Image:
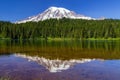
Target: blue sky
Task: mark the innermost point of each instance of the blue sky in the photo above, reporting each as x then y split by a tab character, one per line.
13	10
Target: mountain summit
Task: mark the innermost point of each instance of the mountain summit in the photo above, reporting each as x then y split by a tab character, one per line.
55	13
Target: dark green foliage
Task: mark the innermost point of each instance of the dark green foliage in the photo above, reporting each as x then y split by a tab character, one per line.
63	28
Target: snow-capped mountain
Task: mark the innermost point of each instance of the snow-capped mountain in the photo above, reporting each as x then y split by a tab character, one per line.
55	12
54	65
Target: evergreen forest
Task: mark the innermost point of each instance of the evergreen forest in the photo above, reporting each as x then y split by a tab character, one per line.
62	28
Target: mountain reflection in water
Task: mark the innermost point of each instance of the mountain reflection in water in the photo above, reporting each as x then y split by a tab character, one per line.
60	60
27	67
54	65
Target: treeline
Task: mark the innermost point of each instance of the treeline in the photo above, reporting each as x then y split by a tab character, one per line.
63	28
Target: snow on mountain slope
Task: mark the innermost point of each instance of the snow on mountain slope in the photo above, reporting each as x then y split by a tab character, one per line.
54	12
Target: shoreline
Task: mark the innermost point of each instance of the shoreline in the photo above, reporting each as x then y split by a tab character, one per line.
62	39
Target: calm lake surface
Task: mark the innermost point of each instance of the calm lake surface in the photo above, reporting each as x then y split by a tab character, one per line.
60	60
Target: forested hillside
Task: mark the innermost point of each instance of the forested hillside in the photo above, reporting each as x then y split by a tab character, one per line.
63	28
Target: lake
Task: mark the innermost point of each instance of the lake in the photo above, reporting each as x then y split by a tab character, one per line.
60	60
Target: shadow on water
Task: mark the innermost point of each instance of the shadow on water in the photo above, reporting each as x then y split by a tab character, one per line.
63	49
